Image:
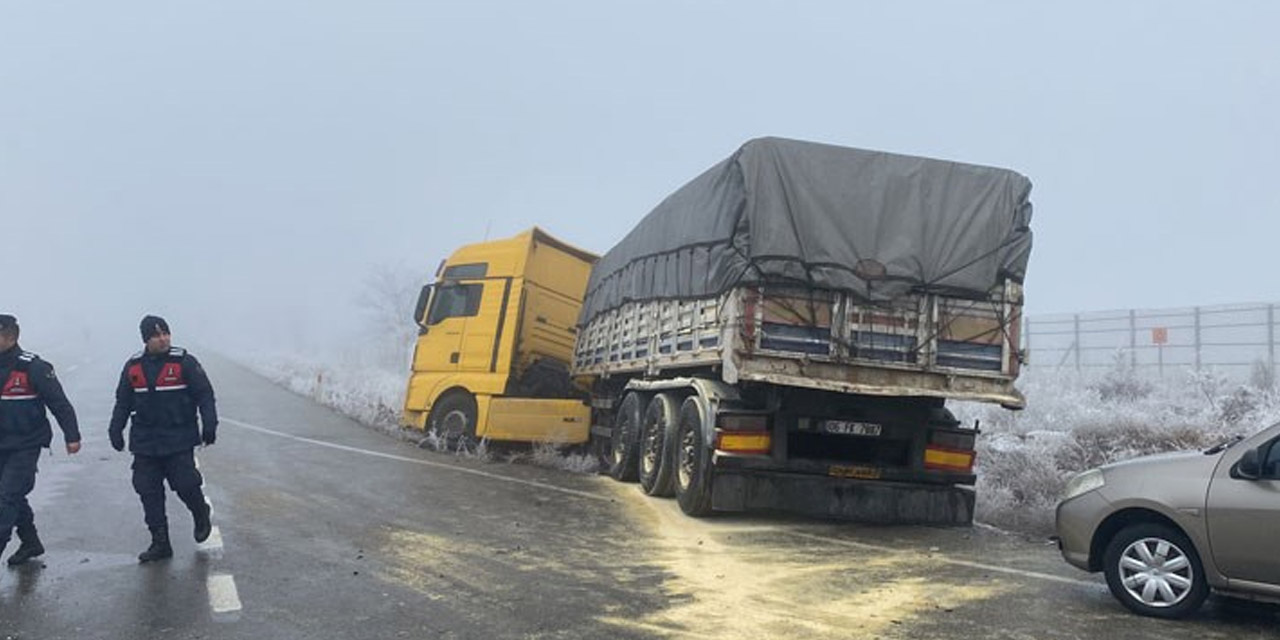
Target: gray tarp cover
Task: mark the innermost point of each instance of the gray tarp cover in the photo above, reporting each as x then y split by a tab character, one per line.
877	225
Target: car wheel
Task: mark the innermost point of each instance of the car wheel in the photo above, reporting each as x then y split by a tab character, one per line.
1154	570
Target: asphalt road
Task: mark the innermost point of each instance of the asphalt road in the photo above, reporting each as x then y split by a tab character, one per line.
327	529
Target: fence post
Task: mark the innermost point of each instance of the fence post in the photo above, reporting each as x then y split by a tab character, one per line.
1026	337
1197	338
1271	339
1133	340
1077	343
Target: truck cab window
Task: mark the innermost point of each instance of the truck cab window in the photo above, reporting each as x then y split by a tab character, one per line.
455	301
462	271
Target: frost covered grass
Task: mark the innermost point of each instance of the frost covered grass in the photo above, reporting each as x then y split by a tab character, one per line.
556	457
374	395
1073	423
371	395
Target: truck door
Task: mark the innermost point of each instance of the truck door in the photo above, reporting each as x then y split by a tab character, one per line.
484	330
452	305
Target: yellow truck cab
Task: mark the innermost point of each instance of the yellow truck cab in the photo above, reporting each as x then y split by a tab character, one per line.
496	334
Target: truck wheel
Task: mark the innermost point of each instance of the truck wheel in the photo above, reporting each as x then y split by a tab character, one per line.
454	418
623	457
1154	570
657	437
693	460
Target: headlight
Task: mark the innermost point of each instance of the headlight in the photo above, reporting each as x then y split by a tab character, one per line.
1083	483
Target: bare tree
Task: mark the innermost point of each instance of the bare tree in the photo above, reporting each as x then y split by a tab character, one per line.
387	301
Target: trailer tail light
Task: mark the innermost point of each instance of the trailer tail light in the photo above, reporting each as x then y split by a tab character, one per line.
938	458
950	450
760	443
744	433
743	422
955	440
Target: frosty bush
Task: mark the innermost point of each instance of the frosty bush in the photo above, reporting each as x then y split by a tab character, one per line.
1122	381
1073	423
1262	376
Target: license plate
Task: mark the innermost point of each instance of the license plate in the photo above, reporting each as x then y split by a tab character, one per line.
849	428
853	471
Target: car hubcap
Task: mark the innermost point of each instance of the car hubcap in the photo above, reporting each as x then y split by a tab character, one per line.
1156	572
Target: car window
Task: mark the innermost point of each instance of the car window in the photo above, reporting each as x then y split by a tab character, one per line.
1271	465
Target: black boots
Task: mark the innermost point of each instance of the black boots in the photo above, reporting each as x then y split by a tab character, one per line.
204	526
30	547
159	549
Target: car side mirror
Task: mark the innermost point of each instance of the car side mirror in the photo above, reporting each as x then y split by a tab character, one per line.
1249	467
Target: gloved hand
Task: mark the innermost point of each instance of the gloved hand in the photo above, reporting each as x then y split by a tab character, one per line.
117	439
208	436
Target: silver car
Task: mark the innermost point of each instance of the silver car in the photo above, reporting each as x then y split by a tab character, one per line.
1167	529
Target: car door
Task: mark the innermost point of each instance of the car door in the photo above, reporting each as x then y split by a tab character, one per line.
1243	515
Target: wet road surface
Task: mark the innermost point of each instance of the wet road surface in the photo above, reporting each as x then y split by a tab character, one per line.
326	529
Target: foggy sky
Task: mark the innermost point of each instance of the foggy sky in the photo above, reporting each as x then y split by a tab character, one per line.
241	167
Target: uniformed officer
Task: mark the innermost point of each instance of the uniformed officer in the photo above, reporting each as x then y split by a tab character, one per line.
161	389
29	387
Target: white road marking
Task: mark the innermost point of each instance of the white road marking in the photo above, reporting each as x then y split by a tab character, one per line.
223	597
1047	577
426	463
953	561
213	543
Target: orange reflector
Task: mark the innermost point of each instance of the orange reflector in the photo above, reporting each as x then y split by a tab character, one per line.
943	459
744	442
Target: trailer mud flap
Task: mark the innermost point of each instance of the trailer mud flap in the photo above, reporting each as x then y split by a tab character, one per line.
845	499
728	492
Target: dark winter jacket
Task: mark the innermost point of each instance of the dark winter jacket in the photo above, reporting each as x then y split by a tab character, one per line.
161	393
28	387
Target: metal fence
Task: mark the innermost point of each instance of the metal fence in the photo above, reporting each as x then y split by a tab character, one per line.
1236	338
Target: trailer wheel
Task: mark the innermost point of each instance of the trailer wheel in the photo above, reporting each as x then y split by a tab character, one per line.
623	446
657	440
693	460
454	418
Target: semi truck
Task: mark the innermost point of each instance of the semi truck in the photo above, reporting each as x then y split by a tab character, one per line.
495	338
782	332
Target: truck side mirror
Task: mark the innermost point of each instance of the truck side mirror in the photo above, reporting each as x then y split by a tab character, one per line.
420	310
1249	468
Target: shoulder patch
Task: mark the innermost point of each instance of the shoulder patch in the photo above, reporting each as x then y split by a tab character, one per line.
136	355
177	352
27	356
